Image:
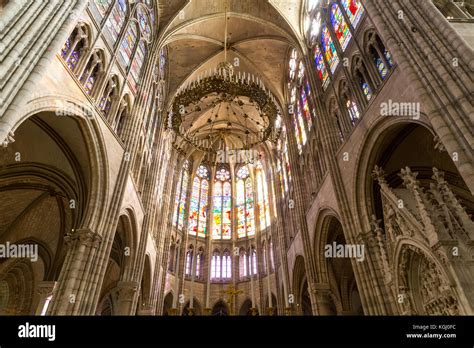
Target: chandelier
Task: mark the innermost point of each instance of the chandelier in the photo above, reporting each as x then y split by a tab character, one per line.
238	105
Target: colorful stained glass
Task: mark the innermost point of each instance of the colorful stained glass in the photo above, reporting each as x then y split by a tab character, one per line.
202	228
341	29
162	63
115	22
301	72
305	105
66	48
143	22
320	67
293	64
381	67
227	212
194	207
137	65
73	59
182	201
329	50
354	10
127	46
89	85
388	57
180	198
249	208
353	111
262	192
99	8
240	208
217	211
366	89
296	125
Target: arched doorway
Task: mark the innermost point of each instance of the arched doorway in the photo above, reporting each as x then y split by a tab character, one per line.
196	308
220	309
167	304
301	296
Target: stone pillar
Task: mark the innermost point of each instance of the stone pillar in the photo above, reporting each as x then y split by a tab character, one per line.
127	296
68	295
45	290
27	53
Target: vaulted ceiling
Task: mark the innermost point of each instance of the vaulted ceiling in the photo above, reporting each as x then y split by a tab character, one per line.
260	35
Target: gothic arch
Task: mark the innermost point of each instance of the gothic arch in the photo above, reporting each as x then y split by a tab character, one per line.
336	273
424	284
167	303
220	308
65	120
367	158
300	287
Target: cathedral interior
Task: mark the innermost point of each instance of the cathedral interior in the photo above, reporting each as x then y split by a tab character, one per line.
236	157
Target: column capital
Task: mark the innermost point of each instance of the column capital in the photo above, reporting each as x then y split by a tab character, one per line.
84	236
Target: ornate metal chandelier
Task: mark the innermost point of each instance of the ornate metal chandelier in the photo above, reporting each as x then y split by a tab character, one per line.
227	96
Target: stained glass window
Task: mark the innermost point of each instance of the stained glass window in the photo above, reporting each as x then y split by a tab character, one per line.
298	122
198	264
189	261
143	22
341	29
312	4
226	265
106	100
243	260
216	265
254	261
222	206
245	204
262	195
180	199
388	57
72	49
99	8
272	259
366	90
354	10
285	172
198	204
329	50
293	64
115	22
137	65
320	67
381	67
353	111
127	45
365	86
162	63
90	76
304	93
315	28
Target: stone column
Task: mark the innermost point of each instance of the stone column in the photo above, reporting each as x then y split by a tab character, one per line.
127	292
35	32
45	290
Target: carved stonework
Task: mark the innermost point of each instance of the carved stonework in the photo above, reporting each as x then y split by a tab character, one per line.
424	288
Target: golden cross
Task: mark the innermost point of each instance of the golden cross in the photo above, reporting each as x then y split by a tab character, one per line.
232	292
